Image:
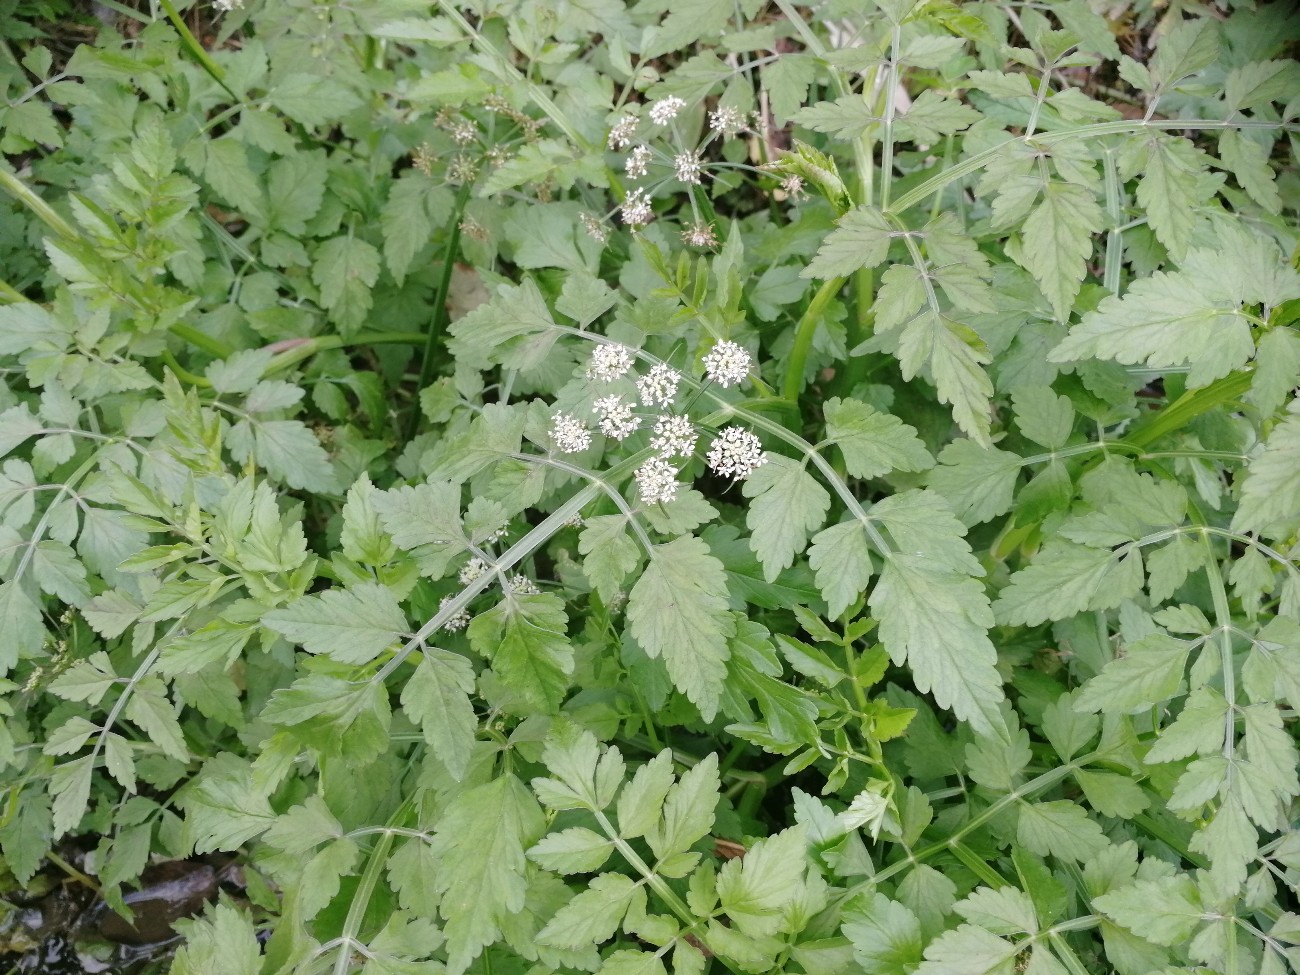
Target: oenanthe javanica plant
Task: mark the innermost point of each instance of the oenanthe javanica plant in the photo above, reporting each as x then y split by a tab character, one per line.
717	486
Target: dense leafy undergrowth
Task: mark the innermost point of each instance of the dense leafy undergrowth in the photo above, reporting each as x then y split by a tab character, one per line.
689	485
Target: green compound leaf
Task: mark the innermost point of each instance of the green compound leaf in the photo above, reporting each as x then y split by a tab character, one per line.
437	699
842	562
352	626
786	505
678	611
595	914
936	620
756	889
1058	242
873	443
1191	317
479	846
525	638
224	940
861	240
1270	496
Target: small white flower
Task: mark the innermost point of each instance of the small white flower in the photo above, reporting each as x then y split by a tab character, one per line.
674	435
464	132
700	234
665	110
608	362
616	419
656	481
472	570
620	136
688	167
569	433
458	621
726	121
637	162
793	186
658	386
736	452
225	6
594	228
521	585
727	364
636	208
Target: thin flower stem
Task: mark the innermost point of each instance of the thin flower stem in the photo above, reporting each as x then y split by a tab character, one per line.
610	492
196	50
439	323
803	337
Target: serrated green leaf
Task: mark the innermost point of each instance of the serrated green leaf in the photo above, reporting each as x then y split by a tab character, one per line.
1058	242
642	799
352	626
842	562
678	611
936	620
873	443
479	845
756	888
860	240
1165	911
1005	910
1270	494
285	449
688	810
844	119
609	553
525	639
1065	579
967	950
24	629
345	269
1061	829
595	914
572	850
436	697
886	936
223	809
224	942
786	505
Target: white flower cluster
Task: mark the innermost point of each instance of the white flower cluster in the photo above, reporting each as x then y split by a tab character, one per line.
620	136
735	452
638	161
674	436
656	481
636	208
727	121
472	570
594	228
665	110
688	167
457	621
521	585
569	433
616	418
659	385
727	364
608	362
700	234
226	6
